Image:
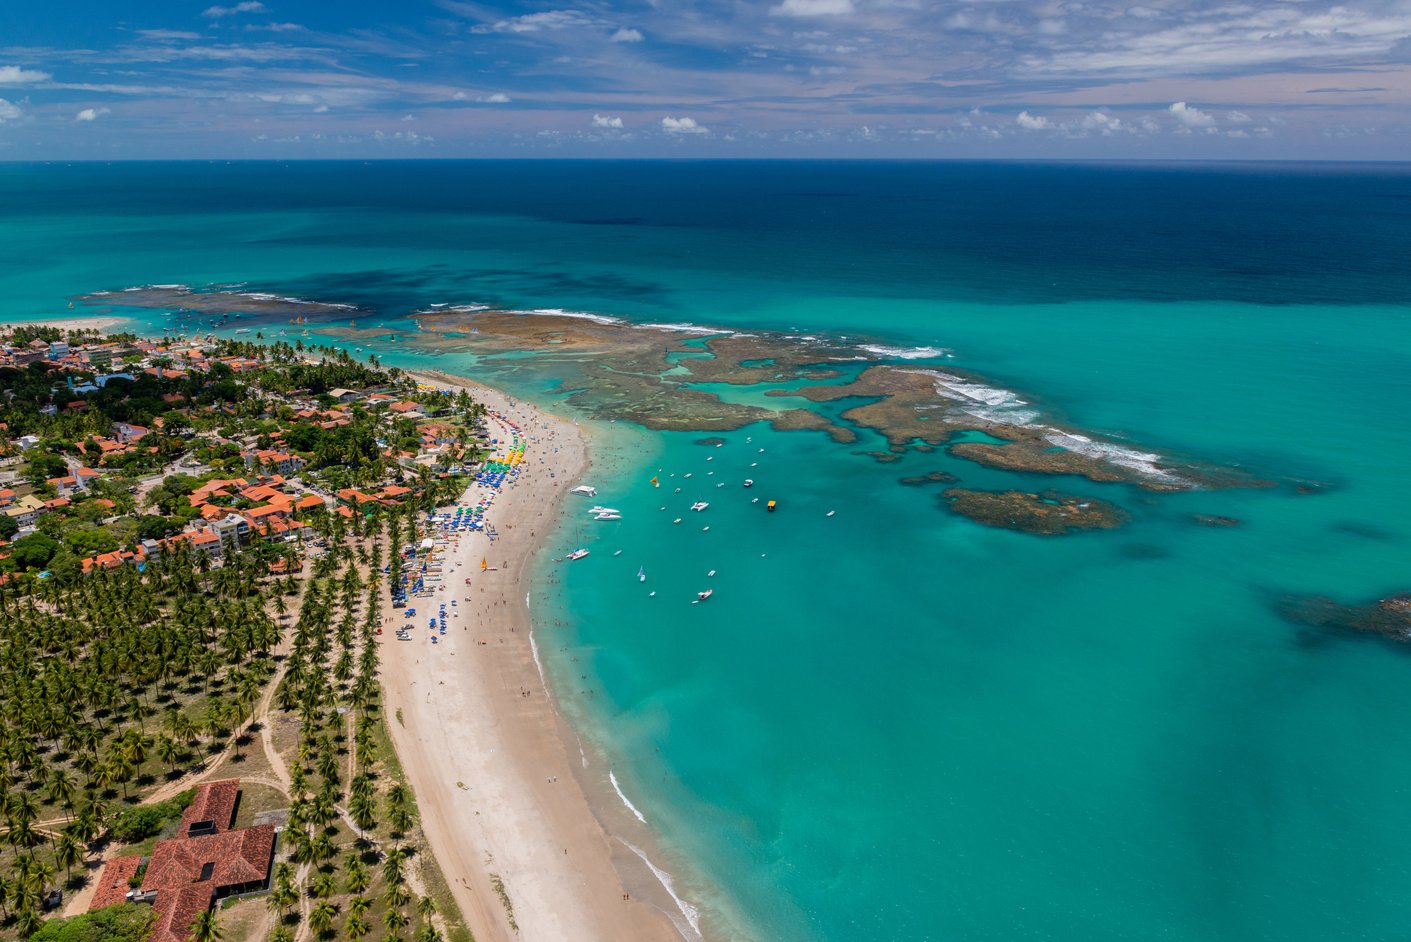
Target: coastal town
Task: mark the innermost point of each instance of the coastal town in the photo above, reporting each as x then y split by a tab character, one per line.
212	557
192	578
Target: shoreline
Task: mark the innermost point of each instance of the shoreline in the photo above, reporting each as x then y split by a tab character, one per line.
95	322
477	730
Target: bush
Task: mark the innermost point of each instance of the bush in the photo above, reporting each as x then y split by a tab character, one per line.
125	922
140	823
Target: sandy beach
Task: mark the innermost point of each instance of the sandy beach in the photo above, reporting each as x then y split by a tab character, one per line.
495	768
68	323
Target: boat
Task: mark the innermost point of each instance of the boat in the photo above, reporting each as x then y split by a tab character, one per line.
699	505
831	512
771	505
599	509
577	554
585	490
711	573
641	574
612	516
749	482
702	596
243	330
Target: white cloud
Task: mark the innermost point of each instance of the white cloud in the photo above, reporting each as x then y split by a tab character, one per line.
246	6
8	111
534	22
274	28
1191	117
625	35
499	98
1102	122
168	35
682	126
14	75
90	114
814	8
1032	123
1238	117
603	121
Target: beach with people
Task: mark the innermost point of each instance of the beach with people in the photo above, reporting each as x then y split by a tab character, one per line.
512	805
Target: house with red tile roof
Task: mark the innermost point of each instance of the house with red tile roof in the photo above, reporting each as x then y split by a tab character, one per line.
208	861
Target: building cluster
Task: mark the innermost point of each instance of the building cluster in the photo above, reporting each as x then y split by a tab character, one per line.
267	503
208	860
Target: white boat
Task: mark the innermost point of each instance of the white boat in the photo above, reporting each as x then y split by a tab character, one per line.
577	554
243	330
641	574
585	490
599	509
699	505
702	596
749	482
609	516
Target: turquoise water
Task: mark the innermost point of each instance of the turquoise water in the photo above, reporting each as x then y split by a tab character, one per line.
894	723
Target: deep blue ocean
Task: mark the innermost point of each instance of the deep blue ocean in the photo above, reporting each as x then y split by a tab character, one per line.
894	723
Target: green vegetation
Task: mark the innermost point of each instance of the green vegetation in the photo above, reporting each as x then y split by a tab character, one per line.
127	683
135	824
126	922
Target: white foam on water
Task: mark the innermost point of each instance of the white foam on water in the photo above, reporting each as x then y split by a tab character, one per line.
534	650
466	308
692	915
688	329
904	353
581	315
1003	406
166	287
1140	461
618	788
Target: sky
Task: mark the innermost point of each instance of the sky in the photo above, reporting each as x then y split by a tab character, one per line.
1107	79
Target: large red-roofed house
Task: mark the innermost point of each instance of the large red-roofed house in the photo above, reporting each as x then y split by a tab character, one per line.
207	861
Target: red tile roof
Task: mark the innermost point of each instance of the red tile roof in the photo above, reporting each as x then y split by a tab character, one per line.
177	910
237	858
112	881
214	801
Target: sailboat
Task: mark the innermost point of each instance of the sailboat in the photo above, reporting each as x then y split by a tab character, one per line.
641	574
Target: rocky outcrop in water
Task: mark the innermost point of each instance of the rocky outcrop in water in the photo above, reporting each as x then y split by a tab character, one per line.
1046	514
1389	617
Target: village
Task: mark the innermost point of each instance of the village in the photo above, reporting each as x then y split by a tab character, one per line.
124	449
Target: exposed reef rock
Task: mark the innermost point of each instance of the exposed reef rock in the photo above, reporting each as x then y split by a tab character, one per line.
1212	520
1047	514
930	477
1389	617
659	375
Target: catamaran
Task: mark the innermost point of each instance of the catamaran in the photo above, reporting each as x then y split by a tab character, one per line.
577	554
699	505
585	490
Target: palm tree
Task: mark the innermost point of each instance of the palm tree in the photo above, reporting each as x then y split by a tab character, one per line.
168	750
205	928
429	933
426	907
67	853
395	920
356	927
321	917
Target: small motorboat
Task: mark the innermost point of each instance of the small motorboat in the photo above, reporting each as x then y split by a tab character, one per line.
749	482
702	596
641	574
